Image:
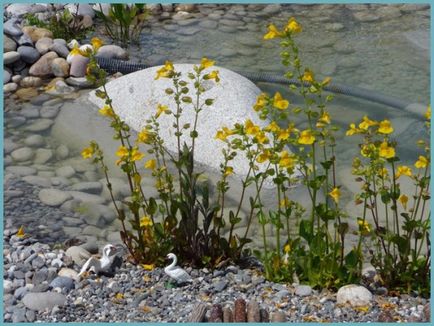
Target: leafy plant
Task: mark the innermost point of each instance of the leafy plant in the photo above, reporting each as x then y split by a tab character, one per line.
65	25
183	218
124	22
399	240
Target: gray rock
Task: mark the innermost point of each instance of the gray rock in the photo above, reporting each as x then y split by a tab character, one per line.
42	67
84	9
30	315
24	40
80	82
40	125
22	154
49	112
11	27
220	285
61	49
65	171
20	9
34	141
87	198
112	52
37	181
17	78
19	315
188	31
208	24
43	300
21	170
63	283
78	66
272	9
6	76
43	155
10	57
43	45
31	81
355	295
233	94
28	54
53	197
20	292
89	187
78	254
62	152
8	44
303	290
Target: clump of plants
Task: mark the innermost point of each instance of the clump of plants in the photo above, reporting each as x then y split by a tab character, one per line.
183	219
124	22
310	243
65	25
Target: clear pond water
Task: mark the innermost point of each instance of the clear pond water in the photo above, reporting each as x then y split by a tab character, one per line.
379	47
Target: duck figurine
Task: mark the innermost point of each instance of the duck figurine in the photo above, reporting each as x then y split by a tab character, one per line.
106	265
176	272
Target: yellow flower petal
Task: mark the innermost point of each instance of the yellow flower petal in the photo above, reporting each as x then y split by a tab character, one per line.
96	43
87	152
403	199
386	151
206	63
228	171
107	111
144	136
279	102
403	170
151	164
293	26
272	32
428	113
286	161
421	163
366	123
385	127
145	221
306	137
335	194
261	101
308	76
122	151
20	233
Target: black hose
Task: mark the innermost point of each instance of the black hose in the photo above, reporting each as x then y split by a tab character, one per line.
126	67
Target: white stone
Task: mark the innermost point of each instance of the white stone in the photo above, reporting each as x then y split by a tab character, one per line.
53	197
137	95
83	9
65	171
22	154
355	295
43	300
43	155
78	254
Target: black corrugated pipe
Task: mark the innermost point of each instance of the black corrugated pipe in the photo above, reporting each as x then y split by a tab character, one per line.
126	67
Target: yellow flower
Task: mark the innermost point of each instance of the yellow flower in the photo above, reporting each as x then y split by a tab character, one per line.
213	75
20	233
144	136
148	267
261	101
165	71
107	111
122	151
273	32
87	152
264	156
283	134
386	151
162	109
403	199
353	130
284	203
151	164
286	161
306	138
364	227
324	119
287	248
223	133
421	163
385	127
75	50
308	76
145	221
403	170
279	102
293	26
261	138
272	127
366	123
251	128
119	296
383	173
428	113
367	150
228	171
136	155
335	194
96	43
206	63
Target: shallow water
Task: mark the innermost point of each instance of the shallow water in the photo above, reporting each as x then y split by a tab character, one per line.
388	55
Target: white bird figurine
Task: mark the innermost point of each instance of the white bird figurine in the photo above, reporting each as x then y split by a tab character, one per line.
176	272
102	265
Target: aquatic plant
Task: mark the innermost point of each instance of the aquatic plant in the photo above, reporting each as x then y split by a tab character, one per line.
396	244
124	22
183	218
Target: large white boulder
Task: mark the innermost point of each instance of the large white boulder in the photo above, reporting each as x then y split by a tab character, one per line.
137	95
355	295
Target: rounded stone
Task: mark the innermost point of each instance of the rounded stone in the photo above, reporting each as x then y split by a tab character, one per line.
10	88
31	81
40	301
53	197
28	54
6	76
34	141
43	45
8	44
60	67
40	124
112	52
65	171
78	254
36	33
62	152
42	67
355	295
10	57
78	66
22	154
43	155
